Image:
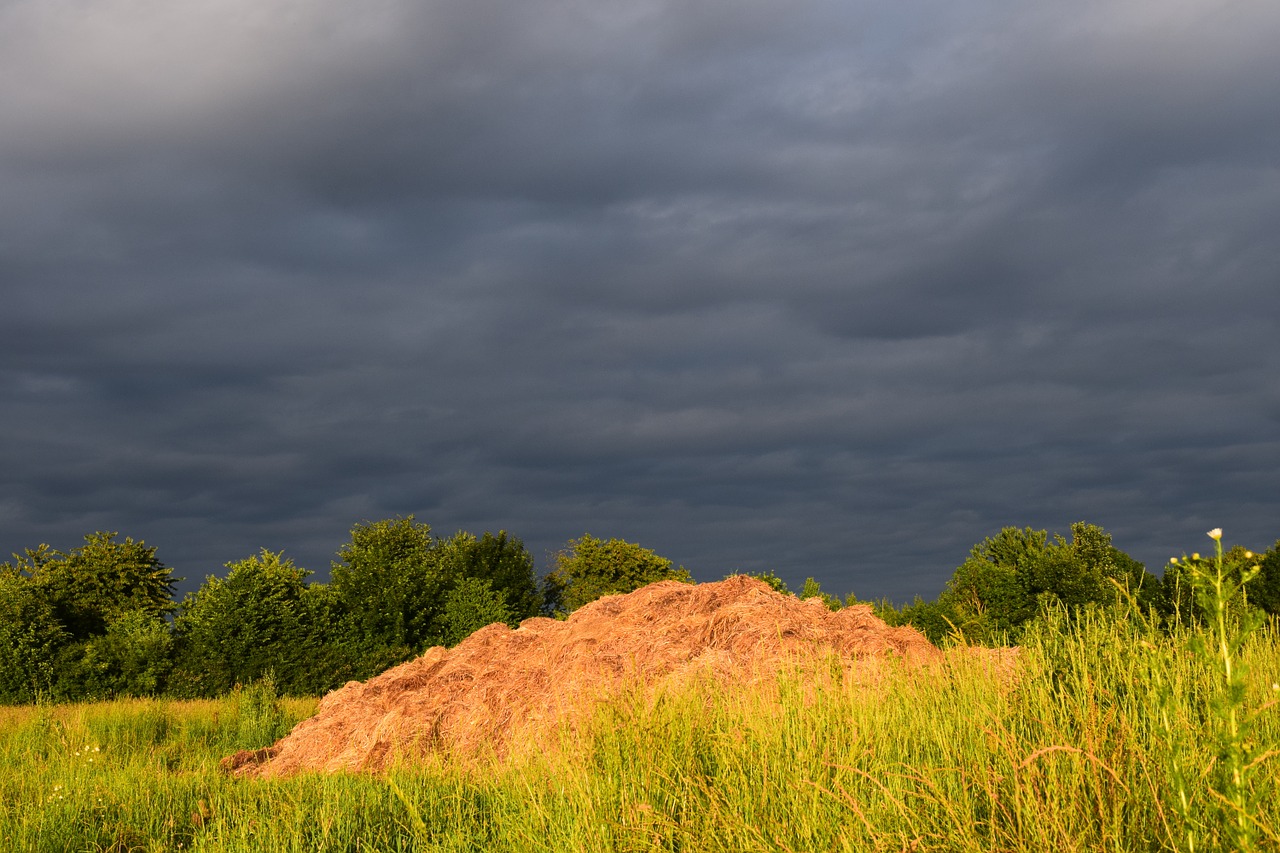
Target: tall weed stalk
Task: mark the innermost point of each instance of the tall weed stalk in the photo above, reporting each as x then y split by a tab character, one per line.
261	718
1229	809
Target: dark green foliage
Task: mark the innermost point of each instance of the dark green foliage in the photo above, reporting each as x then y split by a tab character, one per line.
133	657
88	623
991	593
1009	578
590	568
1088	570
390	582
237	629
1264	592
30	640
398	591
101	581
336	651
93	622
503	561
473	603
934	619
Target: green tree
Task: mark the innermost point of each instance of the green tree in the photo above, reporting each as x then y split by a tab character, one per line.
1009	578
1086	570
101	581
503	561
472	604
397	590
241	628
133	657
391	585
336	652
590	568
1264	592
99	610
30	640
987	595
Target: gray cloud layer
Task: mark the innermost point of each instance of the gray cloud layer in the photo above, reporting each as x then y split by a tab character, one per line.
830	288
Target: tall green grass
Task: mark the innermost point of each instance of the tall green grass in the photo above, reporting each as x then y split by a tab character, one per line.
1109	726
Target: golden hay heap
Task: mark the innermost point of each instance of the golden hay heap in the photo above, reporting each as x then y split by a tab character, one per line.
501	686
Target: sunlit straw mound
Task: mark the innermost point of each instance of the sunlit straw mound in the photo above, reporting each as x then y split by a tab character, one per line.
501	687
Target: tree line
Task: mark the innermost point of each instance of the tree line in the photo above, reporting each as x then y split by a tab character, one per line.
101	620
1009	580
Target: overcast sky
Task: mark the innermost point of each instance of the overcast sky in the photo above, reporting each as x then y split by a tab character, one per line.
826	287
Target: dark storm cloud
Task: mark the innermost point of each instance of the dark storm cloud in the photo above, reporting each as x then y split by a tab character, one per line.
835	289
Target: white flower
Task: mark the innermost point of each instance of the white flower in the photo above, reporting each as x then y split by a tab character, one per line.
1215	533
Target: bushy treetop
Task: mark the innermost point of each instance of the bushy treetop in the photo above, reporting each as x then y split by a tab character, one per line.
590	568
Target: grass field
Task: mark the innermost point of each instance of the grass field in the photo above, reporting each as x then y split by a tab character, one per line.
1113	736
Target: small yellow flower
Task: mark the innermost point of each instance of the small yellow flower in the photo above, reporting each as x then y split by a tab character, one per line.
1195	555
1215	533
1173	561
1248	555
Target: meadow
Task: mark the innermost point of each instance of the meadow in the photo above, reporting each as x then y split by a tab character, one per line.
1113	736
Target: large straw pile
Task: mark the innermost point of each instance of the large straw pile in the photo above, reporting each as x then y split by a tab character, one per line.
501	686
